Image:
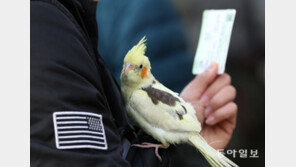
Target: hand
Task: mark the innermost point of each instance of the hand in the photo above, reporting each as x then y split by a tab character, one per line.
212	97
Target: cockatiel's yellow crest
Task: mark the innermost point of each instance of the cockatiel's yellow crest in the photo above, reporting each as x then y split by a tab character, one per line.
159	111
137	56
136	53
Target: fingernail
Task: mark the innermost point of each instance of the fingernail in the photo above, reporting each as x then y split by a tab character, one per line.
204	99
210	120
211	67
208	111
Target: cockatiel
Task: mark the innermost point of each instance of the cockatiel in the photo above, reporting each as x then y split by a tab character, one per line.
159	111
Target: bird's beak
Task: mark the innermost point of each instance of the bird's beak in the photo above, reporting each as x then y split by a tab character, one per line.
128	67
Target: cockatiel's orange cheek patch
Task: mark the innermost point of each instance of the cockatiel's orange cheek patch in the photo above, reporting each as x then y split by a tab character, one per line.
144	72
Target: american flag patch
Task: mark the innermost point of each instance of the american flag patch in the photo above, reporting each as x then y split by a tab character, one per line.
79	129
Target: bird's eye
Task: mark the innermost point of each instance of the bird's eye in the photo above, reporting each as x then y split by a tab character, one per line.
141	66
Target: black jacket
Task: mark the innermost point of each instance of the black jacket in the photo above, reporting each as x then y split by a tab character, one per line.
67	74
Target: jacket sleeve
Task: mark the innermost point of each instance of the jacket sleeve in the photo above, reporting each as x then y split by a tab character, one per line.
65	77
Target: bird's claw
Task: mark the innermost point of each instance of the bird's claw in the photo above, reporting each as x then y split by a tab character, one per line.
151	145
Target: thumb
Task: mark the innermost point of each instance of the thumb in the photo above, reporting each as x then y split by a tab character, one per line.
201	82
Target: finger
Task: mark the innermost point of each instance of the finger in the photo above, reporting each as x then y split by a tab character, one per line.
225	95
228	125
227	111
217	85
200	83
199	110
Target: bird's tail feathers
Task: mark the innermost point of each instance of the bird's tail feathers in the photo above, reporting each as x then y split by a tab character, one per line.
214	157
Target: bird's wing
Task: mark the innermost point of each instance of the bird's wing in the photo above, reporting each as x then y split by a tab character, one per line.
164	109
